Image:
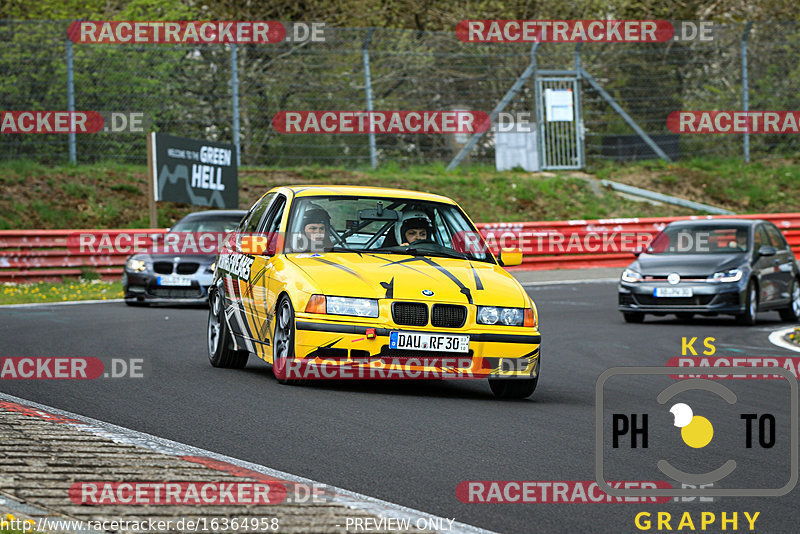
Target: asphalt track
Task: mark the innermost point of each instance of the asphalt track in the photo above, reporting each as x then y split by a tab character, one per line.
410	443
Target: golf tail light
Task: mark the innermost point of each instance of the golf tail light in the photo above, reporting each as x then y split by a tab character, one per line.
316	304
530	318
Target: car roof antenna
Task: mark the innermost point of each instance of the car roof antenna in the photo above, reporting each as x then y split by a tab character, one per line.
380	208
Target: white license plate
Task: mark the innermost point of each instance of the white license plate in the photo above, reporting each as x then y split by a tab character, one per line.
174	281
672	292
430	342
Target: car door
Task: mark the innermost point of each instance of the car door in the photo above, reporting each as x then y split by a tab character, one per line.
782	261
766	268
231	261
258	301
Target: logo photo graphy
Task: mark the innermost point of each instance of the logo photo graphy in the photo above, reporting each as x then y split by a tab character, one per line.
359	267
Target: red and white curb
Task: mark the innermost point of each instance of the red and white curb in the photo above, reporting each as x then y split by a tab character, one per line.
227	464
777	338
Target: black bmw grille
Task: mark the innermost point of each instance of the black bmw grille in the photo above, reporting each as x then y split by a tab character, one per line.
162	267
401	356
448	315
177	292
410	313
186	268
649	300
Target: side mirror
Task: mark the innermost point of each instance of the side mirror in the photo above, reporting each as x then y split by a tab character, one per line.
767	250
509	257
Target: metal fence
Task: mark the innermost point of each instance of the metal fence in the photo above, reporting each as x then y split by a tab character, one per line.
188	90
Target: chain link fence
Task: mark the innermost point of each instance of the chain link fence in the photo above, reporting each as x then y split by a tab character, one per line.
186	90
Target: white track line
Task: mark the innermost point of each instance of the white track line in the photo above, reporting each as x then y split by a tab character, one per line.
562	282
776	338
351	499
62	303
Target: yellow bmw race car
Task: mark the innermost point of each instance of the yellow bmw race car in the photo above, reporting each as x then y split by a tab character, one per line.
359	283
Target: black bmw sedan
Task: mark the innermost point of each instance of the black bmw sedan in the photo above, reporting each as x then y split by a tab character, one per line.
179	268
710	267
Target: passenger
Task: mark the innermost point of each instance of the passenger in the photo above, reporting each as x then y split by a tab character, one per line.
414	226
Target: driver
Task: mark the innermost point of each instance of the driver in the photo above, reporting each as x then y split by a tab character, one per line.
414	226
315	230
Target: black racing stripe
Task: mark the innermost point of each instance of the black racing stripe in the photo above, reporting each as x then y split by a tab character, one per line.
389	287
342	267
250	304
464	289
401	263
354	329
478	283
313	353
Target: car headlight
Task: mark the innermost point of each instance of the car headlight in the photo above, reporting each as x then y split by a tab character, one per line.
351	306
631	276
503	316
212	268
731	275
136	266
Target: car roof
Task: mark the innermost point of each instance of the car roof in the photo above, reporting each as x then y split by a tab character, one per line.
216	214
353	190
721	222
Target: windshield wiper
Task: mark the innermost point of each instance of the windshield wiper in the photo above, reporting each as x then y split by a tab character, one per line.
445	253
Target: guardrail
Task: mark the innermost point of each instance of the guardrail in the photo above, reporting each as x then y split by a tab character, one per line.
618	238
43	255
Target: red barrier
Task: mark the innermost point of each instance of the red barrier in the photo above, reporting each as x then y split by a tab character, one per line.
536	240
43	255
33	255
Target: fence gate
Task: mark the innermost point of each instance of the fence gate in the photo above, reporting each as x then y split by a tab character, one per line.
558	114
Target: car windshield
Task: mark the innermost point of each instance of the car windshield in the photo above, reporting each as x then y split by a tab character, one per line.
212	224
385	225
700	240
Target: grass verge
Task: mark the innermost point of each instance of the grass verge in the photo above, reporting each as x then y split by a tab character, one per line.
113	195
59	292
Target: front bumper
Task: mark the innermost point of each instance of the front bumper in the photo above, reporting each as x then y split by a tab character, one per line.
707	298
344	345
144	287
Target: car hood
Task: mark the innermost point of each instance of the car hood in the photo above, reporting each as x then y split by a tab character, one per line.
687	264
406	277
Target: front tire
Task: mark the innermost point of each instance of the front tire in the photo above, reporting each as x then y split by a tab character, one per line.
791	314
748	318
515	388
220	351
283	341
633	317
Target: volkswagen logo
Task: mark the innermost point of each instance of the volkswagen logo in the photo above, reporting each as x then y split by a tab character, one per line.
673	278
427	292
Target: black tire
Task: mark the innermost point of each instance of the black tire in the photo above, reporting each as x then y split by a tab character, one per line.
220	343
748	318
791	314
685	316
283	341
515	388
633	317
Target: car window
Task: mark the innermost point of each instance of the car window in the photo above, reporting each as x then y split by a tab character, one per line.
272	222
760	238
356	224
775	237
700	239
257	213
